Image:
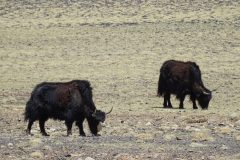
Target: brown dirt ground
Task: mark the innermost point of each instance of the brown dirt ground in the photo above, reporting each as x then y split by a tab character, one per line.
119	47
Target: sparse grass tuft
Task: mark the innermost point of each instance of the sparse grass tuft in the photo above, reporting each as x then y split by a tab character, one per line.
202	136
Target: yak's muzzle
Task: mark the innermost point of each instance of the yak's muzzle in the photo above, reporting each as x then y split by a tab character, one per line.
99	127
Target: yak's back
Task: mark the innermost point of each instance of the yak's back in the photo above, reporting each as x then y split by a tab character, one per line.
182	71
59	93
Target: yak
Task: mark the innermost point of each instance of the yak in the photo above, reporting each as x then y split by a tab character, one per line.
66	101
181	79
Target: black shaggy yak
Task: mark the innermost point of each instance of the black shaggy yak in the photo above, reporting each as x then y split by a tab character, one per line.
70	101
181	79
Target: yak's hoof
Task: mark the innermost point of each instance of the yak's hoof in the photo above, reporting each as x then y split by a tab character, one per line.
167	107
181	108
83	134
45	134
96	135
195	108
69	133
29	133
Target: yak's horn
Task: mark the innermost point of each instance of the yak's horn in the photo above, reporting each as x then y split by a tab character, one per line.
216	88
110	111
206	93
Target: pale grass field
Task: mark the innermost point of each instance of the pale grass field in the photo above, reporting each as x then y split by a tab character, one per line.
119	47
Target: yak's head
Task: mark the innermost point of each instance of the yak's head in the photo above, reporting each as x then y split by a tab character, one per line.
204	98
95	121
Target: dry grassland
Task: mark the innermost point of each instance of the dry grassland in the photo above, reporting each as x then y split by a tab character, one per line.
119	47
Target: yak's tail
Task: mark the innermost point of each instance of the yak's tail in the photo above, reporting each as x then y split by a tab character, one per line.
33	104
28	110
161	85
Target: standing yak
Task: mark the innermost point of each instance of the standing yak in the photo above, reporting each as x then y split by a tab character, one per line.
69	101
181	79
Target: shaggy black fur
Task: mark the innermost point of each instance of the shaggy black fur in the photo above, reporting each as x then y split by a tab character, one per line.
70	101
181	79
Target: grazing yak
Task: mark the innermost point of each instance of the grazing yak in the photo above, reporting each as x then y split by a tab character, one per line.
182	78
69	101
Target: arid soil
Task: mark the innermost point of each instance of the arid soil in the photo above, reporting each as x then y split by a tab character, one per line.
119	47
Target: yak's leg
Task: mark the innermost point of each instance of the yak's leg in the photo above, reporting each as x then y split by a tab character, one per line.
194	105
169	101
80	126
181	102
165	101
193	99
69	127
29	127
42	127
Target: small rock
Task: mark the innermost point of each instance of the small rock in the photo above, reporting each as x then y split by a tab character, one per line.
234	117
169	137
89	158
52	129
175	127
10	144
77	155
35	141
123	156
47	148
59	142
225	130
148	124
187	128
36	154
224	147
156	155
212	157
196	129
196	119
238	138
2	146
67	155
145	136
237	123
165	128
201	136
221	124
196	145
178	138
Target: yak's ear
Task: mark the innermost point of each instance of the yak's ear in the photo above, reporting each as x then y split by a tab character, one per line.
206	93
197	95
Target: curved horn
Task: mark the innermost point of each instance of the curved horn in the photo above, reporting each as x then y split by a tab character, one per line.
206	93
110	111
216	88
